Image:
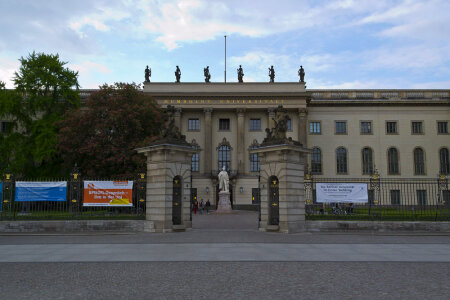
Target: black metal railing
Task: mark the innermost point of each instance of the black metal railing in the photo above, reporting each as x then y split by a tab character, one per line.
408	199
72	207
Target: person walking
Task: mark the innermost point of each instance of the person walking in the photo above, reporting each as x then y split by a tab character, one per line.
202	207
195	207
207	206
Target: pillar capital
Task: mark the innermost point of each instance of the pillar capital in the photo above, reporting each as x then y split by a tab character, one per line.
207	110
302	112
271	110
240	111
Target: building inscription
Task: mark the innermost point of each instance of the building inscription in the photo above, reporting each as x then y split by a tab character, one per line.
224	101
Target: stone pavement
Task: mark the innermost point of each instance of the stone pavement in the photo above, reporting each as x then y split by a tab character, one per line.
225	257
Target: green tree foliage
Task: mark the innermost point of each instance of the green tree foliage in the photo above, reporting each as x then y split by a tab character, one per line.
44	90
102	136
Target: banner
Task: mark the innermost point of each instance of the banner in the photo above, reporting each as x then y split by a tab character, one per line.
341	192
41	191
108	193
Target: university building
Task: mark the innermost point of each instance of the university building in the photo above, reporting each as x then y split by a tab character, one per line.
350	133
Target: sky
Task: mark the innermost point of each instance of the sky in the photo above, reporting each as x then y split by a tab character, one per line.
343	44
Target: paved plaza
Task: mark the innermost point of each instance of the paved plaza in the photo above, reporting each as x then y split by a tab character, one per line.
225	257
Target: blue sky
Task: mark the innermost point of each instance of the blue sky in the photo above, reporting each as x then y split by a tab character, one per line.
341	44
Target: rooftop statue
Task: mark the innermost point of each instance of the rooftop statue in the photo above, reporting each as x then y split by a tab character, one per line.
240	73
178	74
206	74
301	73
148	74
272	74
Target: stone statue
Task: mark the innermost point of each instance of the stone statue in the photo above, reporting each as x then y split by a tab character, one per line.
272	74
223	180
170	133
301	73
206	74
148	74
177	75
277	134
240	74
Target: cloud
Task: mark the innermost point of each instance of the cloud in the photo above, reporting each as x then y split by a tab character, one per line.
7	69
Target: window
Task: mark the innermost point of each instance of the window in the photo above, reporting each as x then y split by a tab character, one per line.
314	127
255	124
194	162
419	162
444	161
254	162
316	161
341	160
340	127
393	168
194	124
422	197
224	124
224	157
367	161
442	127
395	197
391	127
417	127
366	127
289	125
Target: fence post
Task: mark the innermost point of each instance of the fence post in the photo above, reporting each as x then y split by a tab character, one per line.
375	186
141	193
307	182
8	196
443	186
75	191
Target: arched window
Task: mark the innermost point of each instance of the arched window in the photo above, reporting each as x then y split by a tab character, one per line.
419	162
367	161
444	161
393	168
224	152
341	160
316	161
194	162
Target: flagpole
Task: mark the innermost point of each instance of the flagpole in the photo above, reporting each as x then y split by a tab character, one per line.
225	74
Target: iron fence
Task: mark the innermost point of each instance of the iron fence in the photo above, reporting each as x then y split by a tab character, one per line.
72	207
408	199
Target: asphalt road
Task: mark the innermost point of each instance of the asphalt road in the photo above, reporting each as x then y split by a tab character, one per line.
225	257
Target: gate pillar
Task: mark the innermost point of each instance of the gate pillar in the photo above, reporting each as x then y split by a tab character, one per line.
168	187
281	176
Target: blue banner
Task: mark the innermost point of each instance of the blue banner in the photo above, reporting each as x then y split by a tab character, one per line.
41	191
1	196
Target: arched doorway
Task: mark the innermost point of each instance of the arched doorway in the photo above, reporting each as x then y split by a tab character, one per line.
176	200
274	201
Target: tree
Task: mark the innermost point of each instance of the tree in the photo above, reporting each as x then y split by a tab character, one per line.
102	136
44	90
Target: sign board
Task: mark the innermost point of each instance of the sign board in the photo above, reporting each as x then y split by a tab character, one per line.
108	193
341	192
40	191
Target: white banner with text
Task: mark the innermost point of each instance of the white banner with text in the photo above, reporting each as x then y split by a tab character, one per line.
341	192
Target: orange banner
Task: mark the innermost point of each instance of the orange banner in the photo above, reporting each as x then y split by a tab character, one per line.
108	193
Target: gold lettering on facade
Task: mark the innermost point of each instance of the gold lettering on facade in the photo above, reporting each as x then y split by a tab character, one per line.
228	101
179	101
190	102
166	101
221	101
243	101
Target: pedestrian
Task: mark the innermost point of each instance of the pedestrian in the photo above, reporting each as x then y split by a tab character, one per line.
207	206
195	207
202	207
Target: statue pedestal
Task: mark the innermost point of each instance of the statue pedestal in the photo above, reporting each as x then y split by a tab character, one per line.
224	205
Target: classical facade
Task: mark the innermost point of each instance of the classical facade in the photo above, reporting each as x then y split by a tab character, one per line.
350	133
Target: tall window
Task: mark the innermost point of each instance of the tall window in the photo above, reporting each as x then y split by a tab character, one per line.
224	124
193	124
422	197
395	197
289	124
444	161
417	127
254	162
255	124
442	127
340	127
393	161
224	157
341	160
366	127
367	161
419	162
391	127
314	127
194	162
316	161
